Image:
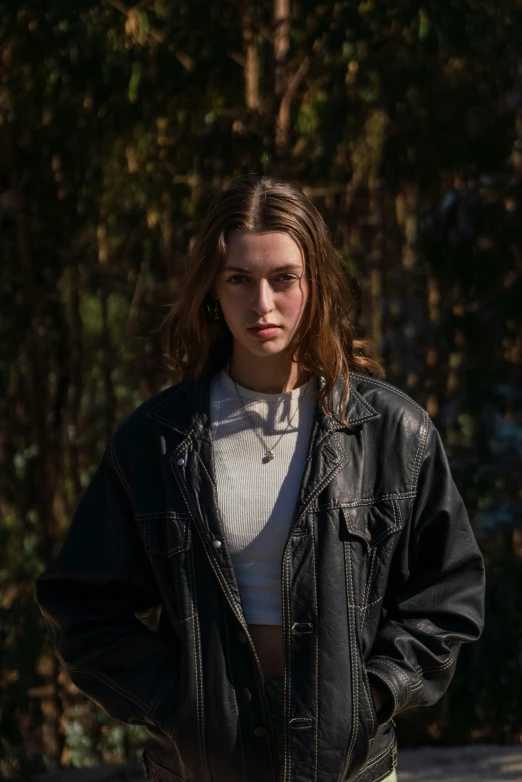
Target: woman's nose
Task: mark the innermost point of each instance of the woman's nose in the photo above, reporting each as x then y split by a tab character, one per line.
263	298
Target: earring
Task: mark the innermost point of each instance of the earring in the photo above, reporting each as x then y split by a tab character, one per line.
215	310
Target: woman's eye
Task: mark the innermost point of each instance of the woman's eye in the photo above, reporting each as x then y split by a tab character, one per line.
239	279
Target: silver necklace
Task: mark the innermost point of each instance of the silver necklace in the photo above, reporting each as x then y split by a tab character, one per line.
269	452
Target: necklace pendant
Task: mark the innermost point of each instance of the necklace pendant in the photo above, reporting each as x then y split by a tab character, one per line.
269	456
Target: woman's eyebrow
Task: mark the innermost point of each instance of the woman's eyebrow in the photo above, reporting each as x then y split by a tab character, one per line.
286	267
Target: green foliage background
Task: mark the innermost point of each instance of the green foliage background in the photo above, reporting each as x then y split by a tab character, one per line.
118	124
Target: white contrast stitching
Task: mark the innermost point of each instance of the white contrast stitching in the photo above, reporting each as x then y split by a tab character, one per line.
391	685
227	646
391	664
287	681
182	621
314	564
328	478
364	501
163	551
399	514
383	776
353	656
369	605
233	603
318	443
423	439
424	422
389	387
167	513
169	423
155	703
369	703
206	471
367	694
366	593
185	492
373	761
440	667
97	675
411	687
387	532
199	674
202	699
114	458
195	642
155	410
192	582
372	412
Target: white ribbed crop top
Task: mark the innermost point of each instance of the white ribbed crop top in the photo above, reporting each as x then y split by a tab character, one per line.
256	497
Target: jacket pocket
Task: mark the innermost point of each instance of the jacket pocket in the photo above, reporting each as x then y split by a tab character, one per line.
373	524
372	534
167	540
165	533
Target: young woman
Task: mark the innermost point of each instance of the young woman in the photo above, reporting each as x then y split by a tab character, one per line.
293	515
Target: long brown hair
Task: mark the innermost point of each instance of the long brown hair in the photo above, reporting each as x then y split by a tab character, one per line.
196	345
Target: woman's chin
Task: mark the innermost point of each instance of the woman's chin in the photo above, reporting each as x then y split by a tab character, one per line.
266	350
261	349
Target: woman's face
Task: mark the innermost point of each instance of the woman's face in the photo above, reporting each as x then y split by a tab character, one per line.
262	289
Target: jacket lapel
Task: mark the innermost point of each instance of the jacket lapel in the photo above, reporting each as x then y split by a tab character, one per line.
326	454
187	412
185	409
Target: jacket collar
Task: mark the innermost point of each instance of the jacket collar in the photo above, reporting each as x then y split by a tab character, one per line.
186	405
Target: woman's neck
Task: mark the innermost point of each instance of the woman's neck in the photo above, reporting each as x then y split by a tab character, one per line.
267	377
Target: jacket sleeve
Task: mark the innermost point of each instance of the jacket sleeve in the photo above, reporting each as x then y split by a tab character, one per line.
435	595
89	597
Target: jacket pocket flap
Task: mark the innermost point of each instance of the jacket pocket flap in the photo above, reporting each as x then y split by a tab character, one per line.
165	533
373	523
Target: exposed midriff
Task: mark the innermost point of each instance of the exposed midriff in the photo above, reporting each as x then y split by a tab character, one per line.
268	643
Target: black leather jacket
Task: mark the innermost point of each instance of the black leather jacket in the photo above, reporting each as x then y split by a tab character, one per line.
381	577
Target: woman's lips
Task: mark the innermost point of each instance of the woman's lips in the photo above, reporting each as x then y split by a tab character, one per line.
264	332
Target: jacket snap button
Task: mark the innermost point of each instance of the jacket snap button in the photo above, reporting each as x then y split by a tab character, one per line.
217	543
180	462
241	637
367	535
260	732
